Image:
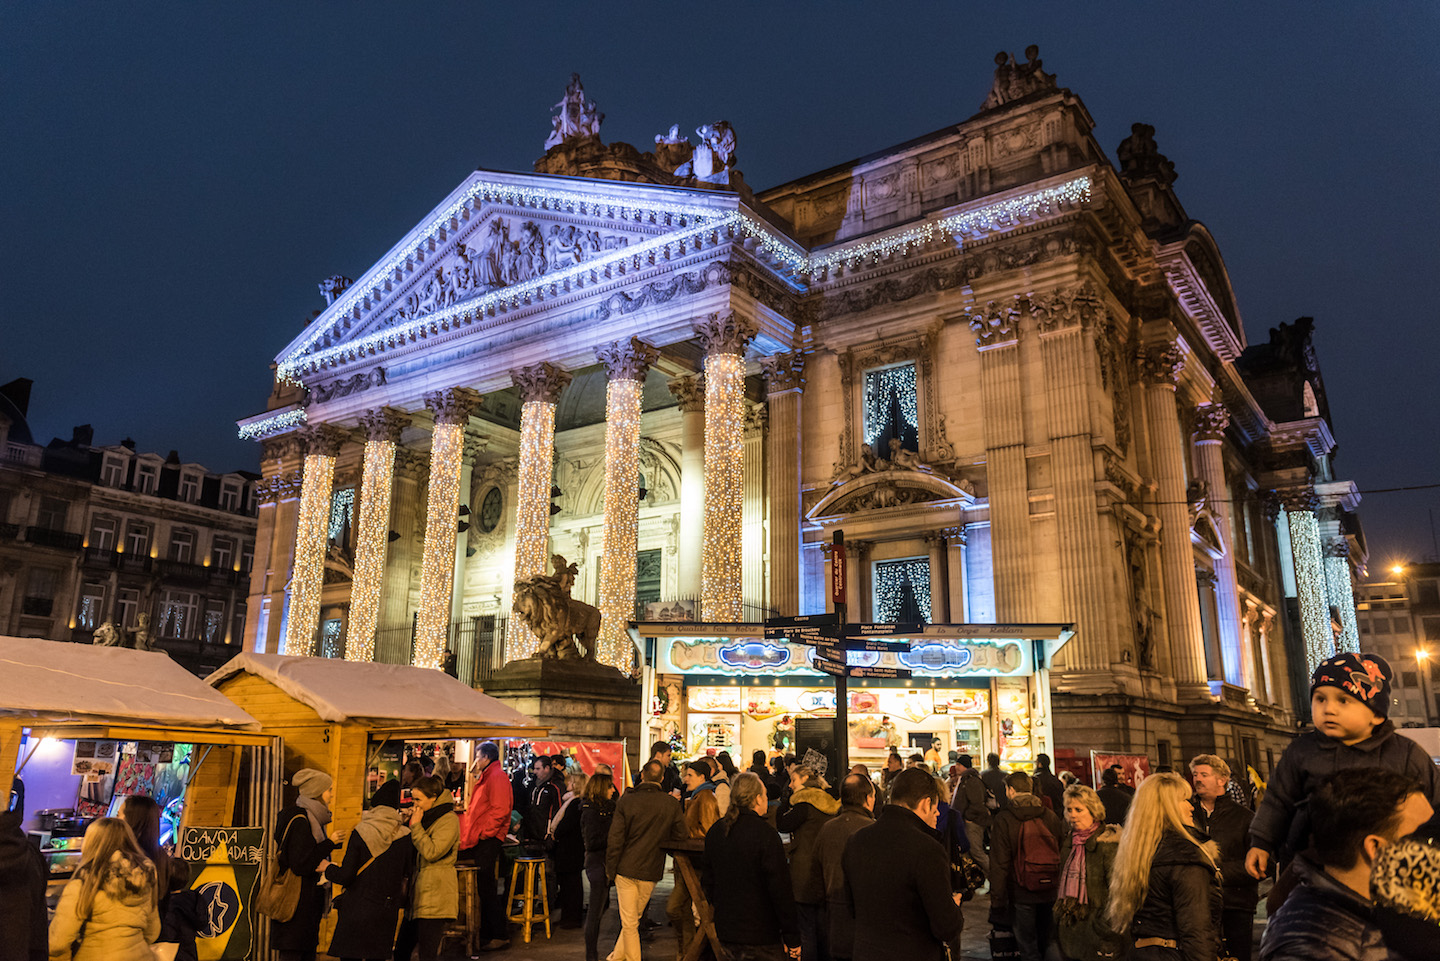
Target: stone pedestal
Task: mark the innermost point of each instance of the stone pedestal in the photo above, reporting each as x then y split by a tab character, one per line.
577	700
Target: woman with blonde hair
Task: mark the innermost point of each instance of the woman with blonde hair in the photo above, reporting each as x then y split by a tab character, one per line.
1165	889
111	905
1088	847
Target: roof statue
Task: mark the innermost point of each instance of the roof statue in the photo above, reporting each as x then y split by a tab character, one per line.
578	118
673	149
1141	159
714	156
1015	80
333	286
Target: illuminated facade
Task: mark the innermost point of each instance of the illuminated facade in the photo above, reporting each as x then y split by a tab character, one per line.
1011	372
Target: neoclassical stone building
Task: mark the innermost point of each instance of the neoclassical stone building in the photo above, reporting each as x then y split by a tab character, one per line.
1011	371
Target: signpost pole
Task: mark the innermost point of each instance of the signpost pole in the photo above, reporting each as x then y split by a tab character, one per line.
842	681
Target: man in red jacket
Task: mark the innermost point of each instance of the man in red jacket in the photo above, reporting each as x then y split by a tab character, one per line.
483	827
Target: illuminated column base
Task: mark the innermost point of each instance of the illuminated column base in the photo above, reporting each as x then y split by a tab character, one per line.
452	409
540	388
372	530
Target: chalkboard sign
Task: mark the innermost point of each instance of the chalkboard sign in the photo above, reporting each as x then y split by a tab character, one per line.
224	867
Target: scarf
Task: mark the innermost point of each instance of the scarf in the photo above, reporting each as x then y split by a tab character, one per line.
380	826
435	813
317	813
1072	876
560	814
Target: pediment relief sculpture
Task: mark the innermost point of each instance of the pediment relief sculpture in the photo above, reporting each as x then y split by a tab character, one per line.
890	487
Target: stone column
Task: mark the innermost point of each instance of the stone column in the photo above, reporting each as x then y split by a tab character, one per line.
474	446
939	581
724	337
540	386
1274	690
1341	593
1298	514
690	392
997	332
956	574
1250	636
862	607
1161	365
626	364
395	635
451	408
1210	422
382	429
784	382
307	578
752	514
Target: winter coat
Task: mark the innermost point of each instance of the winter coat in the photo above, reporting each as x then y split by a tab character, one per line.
123	920
1005	844
748	883
301	854
435	892
1322	920
802	817
829	854
182	912
569	840
645	818
1183	900
897	886
1229	826
1081	928
994	779
369	907
1283	820
544	802
1117	802
1048	785
23	875
670	780
488	813
971	802
595	831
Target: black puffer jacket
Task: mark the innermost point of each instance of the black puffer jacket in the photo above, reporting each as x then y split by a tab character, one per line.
1183	901
1229	826
802	816
595	829
1322	920
23	874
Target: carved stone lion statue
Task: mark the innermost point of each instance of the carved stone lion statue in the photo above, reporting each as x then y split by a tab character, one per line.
108	635
561	623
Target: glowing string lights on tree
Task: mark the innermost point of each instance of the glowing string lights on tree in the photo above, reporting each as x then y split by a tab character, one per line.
452	409
540	388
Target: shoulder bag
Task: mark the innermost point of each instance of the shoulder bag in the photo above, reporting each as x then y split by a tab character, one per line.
279	892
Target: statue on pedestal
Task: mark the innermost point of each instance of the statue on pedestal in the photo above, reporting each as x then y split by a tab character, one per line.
578	118
561	623
714	156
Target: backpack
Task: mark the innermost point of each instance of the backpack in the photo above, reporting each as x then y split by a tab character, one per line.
1037	857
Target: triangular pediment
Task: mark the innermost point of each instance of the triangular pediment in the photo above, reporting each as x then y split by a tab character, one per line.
895	487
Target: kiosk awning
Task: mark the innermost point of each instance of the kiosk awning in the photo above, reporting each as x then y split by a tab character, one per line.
394	699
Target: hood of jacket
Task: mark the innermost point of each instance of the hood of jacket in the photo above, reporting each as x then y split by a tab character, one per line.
1026	806
1174	849
817	799
127	881
16	860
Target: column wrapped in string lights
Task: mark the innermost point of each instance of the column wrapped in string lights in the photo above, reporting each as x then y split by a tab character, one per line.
382	429
724	337
540	386
312	529
1342	593
451	408
626	363
1299	505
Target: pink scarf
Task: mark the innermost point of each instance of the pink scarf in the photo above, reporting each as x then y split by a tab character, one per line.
1072	877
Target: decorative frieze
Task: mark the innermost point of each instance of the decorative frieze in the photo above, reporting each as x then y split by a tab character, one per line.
345	386
453	405
541	382
627	359
725	332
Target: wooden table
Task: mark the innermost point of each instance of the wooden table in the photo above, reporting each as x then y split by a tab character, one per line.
684	853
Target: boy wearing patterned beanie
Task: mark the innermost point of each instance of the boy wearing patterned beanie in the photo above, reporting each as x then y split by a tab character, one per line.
1349	701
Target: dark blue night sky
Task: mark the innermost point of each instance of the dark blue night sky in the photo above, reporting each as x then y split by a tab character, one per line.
178	177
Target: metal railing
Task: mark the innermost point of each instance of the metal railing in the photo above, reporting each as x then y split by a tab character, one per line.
45	537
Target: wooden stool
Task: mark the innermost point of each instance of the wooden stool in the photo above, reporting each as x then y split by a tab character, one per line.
527	915
466	926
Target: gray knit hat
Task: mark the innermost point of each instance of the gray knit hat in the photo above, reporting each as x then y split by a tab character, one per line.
310	782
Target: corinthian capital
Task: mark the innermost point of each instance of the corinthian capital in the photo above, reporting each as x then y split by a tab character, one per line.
324	439
998	322
1161	364
784	372
452	405
541	382
690	392
725	333
1211	420
1301	498
384	423
627	359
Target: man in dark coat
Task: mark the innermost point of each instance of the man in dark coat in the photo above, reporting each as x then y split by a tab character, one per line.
1047	785
24	926
970	801
801	816
1354	815
671	783
1029	913
857	810
747	880
994	778
1115	798
897	878
1228	825
645	818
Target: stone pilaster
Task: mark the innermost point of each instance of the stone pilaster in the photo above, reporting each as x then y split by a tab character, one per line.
322	444
1210	422
626	364
1161	365
752	513
784	382
957	574
540	386
382	428
939	583
724	336
452	408
278	498
690	392
862	606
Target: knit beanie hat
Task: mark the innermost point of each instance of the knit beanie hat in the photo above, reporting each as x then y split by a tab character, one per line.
387	796
311	783
1365	677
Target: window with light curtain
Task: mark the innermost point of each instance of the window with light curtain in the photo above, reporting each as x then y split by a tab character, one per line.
902	591
891	409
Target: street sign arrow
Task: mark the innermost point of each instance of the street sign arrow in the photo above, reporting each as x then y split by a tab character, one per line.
884	630
827	666
854	644
879	672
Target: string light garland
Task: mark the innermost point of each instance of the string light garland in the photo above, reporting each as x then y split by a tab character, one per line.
1342	598
619	538
532	510
884	389
372	535
274	424
307	577
892	579
1310	586
720	558
437	559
